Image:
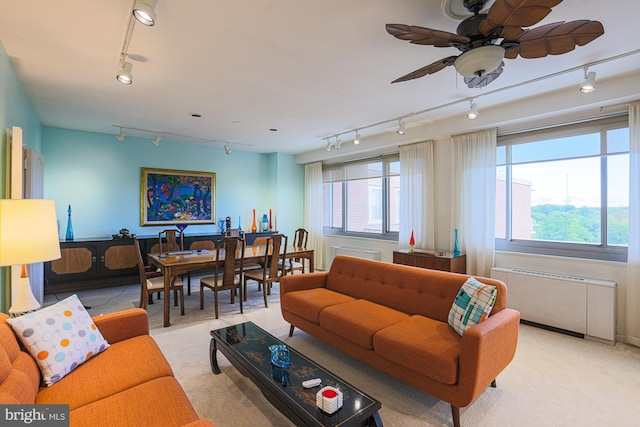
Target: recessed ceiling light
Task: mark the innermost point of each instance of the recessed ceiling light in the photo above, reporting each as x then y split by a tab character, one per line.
195	115
273	130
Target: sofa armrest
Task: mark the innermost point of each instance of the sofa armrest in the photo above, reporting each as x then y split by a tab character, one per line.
123	325
299	282
487	348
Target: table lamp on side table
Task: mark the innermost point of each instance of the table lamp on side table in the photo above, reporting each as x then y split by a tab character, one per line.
28	234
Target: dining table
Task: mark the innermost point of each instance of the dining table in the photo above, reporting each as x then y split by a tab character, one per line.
175	263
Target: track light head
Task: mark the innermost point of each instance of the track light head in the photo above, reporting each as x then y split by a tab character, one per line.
356	140
144	12
227	149
156	140
401	129
473	111
121	135
124	74
589	83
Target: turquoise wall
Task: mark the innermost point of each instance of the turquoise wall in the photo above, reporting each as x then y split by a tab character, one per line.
15	110
100	178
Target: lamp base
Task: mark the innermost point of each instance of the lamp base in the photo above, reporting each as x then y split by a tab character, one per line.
24	301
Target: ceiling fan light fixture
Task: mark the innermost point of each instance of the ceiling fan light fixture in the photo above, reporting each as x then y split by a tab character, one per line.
589	83
124	74
473	111
401	128
479	61
144	12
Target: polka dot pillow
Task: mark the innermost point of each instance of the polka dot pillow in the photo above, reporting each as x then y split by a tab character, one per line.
472	305
59	337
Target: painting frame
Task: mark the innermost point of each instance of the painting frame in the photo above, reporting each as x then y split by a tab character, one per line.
172	197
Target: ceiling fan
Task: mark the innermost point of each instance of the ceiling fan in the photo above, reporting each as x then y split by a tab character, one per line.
485	39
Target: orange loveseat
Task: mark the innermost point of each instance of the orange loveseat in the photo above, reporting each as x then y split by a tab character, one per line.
394	318
128	384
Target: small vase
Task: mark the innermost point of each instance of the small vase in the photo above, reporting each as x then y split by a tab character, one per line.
69	237
254	227
456	247
265	223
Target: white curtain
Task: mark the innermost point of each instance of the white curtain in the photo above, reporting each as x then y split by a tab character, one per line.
313	210
474	195
632	329
417	211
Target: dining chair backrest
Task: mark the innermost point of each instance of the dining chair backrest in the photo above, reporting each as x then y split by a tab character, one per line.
233	248
300	238
277	245
168	240
141	266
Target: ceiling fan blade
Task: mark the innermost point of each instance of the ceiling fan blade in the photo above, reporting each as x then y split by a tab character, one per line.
425	36
512	15
555	39
485	79
428	69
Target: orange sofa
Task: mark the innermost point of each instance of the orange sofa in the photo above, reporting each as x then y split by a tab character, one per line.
129	383
394	318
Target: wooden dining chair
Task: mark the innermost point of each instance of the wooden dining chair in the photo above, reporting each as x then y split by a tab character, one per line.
299	241
273	266
151	281
228	272
258	241
173	240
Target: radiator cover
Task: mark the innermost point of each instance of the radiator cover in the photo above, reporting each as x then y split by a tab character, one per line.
576	304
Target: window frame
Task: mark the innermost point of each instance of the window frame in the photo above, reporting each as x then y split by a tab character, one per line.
385	234
601	251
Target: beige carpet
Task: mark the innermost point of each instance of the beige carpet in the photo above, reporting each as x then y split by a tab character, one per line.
554	380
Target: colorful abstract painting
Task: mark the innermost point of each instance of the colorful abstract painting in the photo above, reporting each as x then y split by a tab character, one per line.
177	197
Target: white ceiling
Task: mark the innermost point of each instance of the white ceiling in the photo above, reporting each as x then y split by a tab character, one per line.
310	69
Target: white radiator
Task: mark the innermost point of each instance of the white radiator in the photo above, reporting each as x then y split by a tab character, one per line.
577	304
354	252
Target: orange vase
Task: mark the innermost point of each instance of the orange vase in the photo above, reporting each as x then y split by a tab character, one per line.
254	228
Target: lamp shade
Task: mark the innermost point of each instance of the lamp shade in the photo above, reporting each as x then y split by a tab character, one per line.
28	231
479	61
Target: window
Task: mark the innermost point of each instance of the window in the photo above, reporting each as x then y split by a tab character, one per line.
565	191
362	198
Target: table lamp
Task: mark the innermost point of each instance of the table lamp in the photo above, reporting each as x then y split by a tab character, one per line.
28	234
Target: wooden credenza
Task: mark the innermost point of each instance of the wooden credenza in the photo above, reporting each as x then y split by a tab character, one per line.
442	261
100	263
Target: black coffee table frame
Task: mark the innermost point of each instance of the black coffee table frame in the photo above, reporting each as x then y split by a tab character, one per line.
246	346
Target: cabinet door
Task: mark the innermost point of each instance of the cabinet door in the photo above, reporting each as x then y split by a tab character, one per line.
403	258
119	257
80	260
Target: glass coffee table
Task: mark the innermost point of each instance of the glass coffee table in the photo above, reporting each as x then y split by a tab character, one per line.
246	346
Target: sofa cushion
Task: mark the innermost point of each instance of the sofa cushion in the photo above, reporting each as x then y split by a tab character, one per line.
122	366
423	345
159	402
309	303
59	337
472	304
358	321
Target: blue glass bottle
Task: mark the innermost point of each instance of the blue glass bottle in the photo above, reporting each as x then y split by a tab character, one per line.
69	226
456	247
